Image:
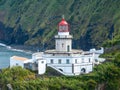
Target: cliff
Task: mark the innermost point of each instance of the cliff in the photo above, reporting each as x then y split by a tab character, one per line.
34	22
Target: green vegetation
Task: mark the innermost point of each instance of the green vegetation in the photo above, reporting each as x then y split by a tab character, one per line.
105	76
93	22
15	74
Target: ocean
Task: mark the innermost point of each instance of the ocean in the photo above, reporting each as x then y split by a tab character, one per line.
6	52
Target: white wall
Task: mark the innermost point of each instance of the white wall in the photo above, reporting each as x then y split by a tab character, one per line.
41	66
82	62
16	63
79	67
65	42
36	56
63	33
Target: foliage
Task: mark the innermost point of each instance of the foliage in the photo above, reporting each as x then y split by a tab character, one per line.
104	76
114	41
10	75
92	21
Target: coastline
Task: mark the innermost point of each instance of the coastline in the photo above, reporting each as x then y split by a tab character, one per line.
21	48
26	48
7	51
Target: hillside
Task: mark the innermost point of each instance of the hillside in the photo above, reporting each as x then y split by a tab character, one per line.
34	22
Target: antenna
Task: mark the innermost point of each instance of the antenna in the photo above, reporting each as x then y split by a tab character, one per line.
63	16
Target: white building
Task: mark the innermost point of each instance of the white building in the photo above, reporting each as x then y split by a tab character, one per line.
18	61
23	62
63	58
66	60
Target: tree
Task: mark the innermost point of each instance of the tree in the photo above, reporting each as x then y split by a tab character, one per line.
10	75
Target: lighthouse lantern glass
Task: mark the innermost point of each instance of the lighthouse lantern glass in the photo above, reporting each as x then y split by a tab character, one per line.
63	28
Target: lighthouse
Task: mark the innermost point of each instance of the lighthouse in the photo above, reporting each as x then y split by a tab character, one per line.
63	41
63	58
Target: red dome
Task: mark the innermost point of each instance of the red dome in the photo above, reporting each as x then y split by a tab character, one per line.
63	26
63	22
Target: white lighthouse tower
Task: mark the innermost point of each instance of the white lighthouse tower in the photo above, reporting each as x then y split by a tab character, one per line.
63	39
63	58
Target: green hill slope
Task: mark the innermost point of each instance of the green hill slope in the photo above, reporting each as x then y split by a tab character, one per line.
34	22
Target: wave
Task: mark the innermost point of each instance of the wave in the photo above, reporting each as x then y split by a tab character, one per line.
1	44
19	50
13	49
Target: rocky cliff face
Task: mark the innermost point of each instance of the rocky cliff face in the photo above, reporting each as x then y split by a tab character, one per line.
2	34
35	22
9	36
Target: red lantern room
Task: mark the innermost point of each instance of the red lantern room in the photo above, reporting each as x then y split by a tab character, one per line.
63	26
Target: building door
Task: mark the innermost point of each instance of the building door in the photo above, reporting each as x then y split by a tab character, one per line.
68	48
83	70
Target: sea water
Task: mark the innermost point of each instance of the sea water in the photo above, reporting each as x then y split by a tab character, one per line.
6	52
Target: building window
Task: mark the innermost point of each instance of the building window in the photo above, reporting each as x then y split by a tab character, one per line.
67	61
59	61
61	69
68	48
82	60
75	60
51	61
83	70
89	60
62	45
35	65
96	60
30	65
42	61
16	64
